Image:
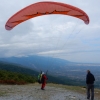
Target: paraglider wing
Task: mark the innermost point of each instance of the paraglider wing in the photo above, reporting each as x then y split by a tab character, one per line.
45	8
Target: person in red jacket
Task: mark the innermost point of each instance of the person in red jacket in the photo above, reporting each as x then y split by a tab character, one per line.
43	80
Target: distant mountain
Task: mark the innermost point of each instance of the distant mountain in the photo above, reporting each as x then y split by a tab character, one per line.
54	65
38	62
66	70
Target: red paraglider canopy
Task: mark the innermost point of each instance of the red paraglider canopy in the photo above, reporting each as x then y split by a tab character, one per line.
45	8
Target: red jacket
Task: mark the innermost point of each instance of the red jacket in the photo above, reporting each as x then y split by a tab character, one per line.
44	78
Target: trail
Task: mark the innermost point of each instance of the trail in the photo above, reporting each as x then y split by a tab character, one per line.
33	92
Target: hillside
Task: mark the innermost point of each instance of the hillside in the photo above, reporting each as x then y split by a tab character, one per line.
59	70
8	77
15	68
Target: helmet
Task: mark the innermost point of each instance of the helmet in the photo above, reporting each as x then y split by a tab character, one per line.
42	72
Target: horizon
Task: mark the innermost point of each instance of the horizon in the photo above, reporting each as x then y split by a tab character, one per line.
48	59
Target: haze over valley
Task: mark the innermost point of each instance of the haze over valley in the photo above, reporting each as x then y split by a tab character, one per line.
74	71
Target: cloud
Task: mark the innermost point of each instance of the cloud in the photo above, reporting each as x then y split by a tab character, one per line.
60	36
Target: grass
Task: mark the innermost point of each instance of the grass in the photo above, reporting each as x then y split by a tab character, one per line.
2	93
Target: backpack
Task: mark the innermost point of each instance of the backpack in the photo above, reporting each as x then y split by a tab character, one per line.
39	78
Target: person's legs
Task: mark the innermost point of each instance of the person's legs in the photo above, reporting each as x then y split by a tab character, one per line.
88	91
43	85
92	92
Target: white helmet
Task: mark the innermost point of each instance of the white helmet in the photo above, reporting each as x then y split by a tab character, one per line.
42	72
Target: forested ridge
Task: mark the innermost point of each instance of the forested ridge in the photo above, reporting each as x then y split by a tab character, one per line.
18	74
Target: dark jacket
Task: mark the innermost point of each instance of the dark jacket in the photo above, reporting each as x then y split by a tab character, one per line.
90	78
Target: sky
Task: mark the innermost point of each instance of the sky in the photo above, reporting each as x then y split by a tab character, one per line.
56	36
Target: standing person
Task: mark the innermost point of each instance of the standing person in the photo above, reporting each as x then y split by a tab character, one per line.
90	85
43	80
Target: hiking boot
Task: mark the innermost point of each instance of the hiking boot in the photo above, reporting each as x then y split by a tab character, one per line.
42	89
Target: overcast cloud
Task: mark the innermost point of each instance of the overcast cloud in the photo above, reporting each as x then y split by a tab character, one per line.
55	35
